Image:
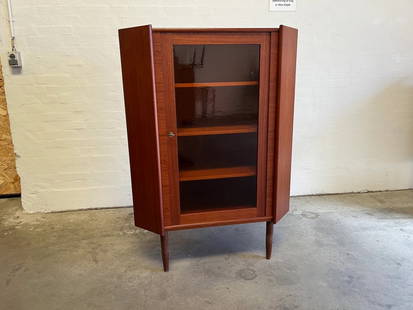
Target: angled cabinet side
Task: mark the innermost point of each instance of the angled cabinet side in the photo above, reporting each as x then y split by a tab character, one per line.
136	52
287	53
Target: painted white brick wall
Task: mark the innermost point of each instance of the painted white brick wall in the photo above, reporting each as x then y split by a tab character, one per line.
354	102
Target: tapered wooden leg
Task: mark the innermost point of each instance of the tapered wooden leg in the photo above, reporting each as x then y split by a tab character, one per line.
268	239
165	251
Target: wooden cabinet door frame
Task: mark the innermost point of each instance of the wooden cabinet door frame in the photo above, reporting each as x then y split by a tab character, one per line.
163	50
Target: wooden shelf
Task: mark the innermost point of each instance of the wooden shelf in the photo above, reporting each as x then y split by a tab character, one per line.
216	130
197	209
216	84
220	173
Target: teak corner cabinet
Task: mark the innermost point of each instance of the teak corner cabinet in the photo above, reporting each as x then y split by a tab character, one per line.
209	117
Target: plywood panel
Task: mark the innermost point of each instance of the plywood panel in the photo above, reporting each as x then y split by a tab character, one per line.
9	180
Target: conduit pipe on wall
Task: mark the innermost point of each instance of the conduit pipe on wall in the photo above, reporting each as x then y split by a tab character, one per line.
11	23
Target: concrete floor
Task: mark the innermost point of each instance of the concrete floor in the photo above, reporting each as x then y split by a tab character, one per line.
331	252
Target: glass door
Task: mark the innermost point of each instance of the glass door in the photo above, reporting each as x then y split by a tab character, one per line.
220	102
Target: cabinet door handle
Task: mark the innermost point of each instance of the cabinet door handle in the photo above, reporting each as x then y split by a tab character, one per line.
171	134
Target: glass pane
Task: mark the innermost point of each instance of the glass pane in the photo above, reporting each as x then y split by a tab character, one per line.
217	151
222	193
216	63
208	106
217	125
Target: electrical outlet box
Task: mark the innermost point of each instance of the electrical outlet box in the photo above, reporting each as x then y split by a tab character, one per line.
15	60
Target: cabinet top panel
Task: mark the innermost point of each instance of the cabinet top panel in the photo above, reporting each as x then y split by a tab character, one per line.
215	29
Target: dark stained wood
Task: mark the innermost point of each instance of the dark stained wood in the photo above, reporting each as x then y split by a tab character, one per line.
189	30
149	91
165	251
170	39
163	108
219	223
171	143
219	173
167	123
218	215
284	124
142	125
212	209
262	125
268	239
216	38
216	130
216	84
272	104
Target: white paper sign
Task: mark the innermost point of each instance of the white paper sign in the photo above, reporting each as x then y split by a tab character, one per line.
283	5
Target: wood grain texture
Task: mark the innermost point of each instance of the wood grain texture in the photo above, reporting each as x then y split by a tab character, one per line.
216	37
171	143
284	124
9	180
218	215
170	39
216	130
163	125
219	223
188	30
272	105
216	84
167	122
219	173
142	125
262	125
149	90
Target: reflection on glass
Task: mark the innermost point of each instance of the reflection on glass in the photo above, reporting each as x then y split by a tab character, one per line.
216	63
217	151
217	124
220	193
213	106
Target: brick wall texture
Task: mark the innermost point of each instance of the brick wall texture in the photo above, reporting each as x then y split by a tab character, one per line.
353	126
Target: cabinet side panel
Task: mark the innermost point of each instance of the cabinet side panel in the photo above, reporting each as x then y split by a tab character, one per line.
140	106
284	123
